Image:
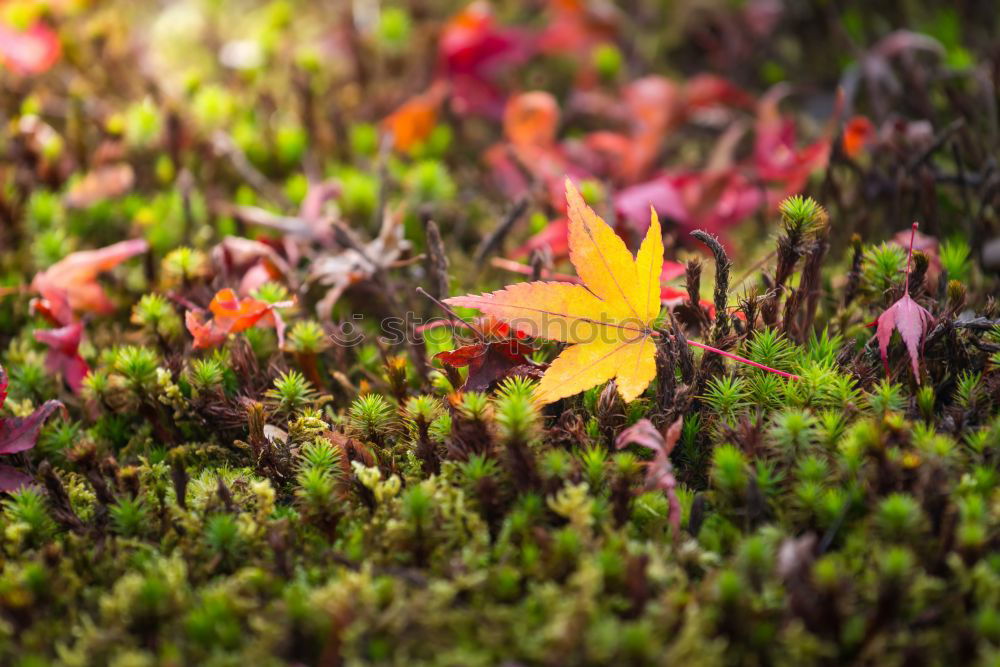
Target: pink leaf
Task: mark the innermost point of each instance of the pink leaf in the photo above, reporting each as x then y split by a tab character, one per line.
64	353
659	471
12	479
30	51
632	203
555	237
3	386
18	434
909	318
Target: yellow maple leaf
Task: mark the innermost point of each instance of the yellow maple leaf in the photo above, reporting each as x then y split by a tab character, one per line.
607	320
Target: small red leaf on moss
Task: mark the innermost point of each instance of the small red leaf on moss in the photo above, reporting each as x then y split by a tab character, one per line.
857	133
490	363
64	353
30	51
206	335
659	471
12	479
71	283
18	434
907	317
233	314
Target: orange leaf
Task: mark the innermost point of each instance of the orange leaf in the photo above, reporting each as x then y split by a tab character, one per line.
413	122
206	335
608	319
231	314
530	120
857	133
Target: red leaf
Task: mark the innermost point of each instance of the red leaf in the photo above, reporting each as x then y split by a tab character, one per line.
857	133
18	434
491	362
776	154
500	354
71	283
235	314
3	386
709	90
577	26
909	318
555	237
654	105
64	353
206	335
644	433
12	479
30	51
472	52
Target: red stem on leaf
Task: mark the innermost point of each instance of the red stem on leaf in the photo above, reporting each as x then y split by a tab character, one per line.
736	357
742	360
909	257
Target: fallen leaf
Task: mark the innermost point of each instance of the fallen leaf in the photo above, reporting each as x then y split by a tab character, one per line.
704	91
554	237
12	479
530	120
607	320
339	271
858	131
777	157
659	471
906	316
575	27
3	386
71	283
30	51
106	182
654	106
18	434
232	314
413	122
632	203
256	261
473	52
64	353
491	362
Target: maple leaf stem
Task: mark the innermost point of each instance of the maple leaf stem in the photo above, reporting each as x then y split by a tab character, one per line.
742	360
909	258
459	319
